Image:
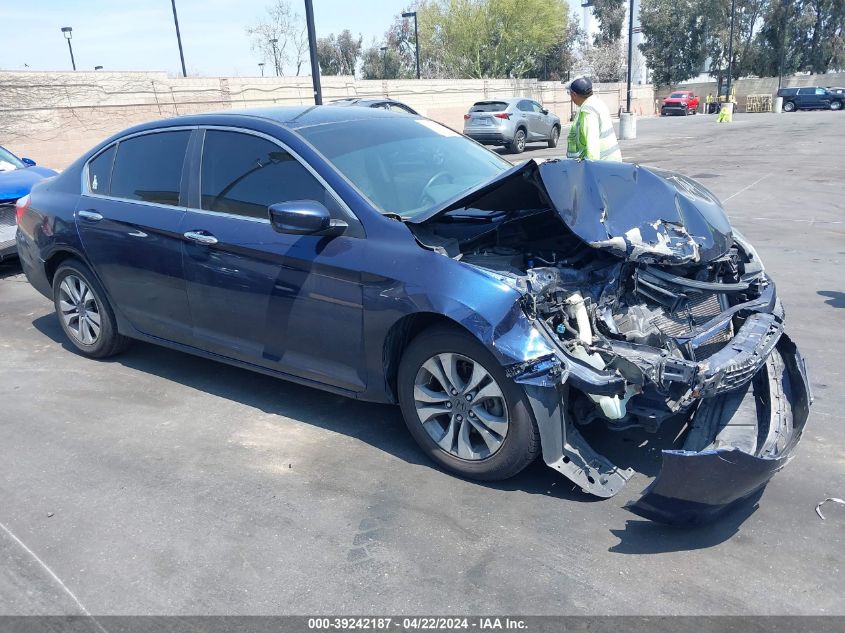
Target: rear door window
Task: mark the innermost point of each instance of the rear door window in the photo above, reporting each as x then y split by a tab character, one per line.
99	171
244	174
489	106
149	167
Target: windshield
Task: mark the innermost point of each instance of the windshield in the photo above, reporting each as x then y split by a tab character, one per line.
9	161
678	95
489	106
404	165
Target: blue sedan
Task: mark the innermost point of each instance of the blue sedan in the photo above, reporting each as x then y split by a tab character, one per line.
17	175
385	257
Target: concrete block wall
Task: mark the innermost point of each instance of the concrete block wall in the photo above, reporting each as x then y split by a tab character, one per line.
55	117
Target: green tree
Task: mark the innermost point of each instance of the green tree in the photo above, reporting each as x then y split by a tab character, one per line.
381	64
611	18
287	28
559	62
339	55
488	38
674	39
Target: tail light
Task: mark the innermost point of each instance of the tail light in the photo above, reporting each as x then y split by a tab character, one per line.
466	117
20	208
502	115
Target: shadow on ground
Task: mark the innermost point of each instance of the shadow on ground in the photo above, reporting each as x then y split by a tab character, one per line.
381	426
9	268
835	298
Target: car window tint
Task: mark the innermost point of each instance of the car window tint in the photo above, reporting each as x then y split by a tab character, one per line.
149	167
99	171
525	106
398	107
244	174
806	91
821	91
536	107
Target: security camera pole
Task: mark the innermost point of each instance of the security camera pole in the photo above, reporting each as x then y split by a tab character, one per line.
312	49
178	38
413	14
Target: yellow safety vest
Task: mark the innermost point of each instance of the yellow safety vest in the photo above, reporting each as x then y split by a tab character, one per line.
591	135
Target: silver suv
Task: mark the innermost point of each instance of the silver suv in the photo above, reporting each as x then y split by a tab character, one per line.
512	123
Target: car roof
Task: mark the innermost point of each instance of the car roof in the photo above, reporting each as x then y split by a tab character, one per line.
291	117
503	100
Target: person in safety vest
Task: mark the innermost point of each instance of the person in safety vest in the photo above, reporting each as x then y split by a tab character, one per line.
591	136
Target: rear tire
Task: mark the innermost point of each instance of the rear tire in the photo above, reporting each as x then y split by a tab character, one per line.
517	145
457	435
84	312
789	106
553	141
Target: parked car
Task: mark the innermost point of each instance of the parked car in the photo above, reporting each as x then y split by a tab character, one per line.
387	258
382	103
512	123
17	175
810	98
680	102
839	92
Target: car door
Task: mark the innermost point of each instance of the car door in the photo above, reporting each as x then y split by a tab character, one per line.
822	98
806	98
527	116
544	121
128	219
291	303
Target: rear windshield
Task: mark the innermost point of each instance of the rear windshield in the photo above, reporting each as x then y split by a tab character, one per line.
678	95
489	106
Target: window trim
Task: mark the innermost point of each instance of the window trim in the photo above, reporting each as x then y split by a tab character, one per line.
350	215
86	190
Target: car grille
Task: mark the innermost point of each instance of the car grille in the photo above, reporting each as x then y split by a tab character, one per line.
7	224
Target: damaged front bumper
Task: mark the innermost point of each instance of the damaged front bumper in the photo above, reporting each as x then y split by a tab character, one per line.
747	406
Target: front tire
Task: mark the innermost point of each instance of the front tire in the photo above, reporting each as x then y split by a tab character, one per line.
553	141
462	410
517	145
835	105
84	312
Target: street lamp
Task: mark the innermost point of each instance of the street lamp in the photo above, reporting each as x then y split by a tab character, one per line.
384	62
68	33
178	38
273	43
413	14
261	66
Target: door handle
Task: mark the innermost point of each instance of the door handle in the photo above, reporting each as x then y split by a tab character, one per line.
92	216
201	237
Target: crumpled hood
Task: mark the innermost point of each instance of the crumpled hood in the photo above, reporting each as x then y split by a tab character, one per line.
18	182
639	213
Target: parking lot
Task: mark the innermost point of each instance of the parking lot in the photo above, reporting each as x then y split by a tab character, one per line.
160	483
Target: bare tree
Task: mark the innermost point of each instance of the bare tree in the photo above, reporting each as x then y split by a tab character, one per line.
280	36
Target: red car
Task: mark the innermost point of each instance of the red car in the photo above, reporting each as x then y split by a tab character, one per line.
679	102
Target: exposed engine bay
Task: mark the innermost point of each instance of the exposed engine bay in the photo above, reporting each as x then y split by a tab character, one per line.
651	321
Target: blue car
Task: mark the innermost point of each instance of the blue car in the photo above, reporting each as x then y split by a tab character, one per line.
510	311
17	175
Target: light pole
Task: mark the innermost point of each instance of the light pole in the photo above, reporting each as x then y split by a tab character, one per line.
730	53
261	66
413	14
68	33
312	50
273	43
178	38
384	62
630	53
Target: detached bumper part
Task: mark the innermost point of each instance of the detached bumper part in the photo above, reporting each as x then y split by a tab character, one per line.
741	435
755	431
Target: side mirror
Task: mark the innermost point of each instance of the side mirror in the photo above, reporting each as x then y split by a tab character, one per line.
28	162
545	111
304	217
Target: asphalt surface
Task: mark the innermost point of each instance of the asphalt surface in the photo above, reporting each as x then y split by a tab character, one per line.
160	483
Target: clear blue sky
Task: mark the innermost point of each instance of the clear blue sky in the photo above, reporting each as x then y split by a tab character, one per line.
139	34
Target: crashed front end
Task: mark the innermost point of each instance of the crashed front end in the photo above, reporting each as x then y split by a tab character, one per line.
655	310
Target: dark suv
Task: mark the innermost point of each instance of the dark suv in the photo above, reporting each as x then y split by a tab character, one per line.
811	98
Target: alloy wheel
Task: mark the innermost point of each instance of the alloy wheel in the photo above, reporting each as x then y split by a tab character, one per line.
520	140
79	310
461	406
